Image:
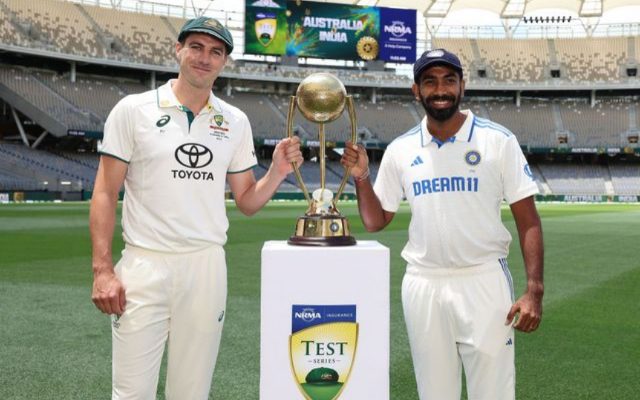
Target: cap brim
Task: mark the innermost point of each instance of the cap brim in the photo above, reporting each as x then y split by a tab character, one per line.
208	32
430	64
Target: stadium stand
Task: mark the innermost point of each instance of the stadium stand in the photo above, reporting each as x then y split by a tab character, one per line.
625	179
388	119
48	167
593	126
30	87
603	56
266	120
59	99
59	27
532	122
96	95
515	60
142	38
574	179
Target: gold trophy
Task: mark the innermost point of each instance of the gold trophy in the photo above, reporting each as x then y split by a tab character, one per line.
321	98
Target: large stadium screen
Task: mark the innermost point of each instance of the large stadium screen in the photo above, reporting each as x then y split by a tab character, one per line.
326	30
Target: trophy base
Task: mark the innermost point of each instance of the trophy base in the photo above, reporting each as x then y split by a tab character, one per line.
322	230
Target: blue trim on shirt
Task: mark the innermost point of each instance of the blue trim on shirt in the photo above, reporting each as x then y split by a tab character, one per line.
473	125
485	123
441	143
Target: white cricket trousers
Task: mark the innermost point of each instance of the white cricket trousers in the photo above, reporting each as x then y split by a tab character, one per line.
456	318
177	299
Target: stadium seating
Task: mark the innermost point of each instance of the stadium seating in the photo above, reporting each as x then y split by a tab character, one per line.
266	120
531	60
571	179
48	167
139	40
96	95
598	125
140	37
625	179
532	122
30	86
56	26
593	60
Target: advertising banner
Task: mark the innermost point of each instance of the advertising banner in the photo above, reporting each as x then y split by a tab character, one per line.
333	31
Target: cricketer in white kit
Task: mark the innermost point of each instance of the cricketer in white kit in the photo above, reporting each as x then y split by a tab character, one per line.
455	169
174	148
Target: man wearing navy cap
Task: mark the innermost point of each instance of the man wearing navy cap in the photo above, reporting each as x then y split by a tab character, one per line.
455	169
174	148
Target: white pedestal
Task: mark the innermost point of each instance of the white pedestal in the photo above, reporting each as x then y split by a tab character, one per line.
308	285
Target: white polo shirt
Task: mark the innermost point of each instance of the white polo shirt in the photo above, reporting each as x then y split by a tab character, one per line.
455	190
175	182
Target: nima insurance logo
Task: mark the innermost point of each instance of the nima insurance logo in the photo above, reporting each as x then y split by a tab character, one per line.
322	348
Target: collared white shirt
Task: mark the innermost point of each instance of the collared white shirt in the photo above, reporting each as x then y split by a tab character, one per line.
455	190
178	162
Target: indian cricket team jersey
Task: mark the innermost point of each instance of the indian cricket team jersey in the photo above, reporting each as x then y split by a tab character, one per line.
178	162
455	190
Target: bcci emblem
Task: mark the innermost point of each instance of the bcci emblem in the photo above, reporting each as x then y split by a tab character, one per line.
265	27
472	157
322	348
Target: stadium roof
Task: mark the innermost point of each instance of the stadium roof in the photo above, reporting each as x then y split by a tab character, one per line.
431	8
505	8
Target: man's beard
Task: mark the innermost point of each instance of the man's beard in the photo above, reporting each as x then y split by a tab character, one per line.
440	114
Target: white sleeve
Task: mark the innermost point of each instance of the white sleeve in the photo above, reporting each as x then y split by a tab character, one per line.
245	155
118	140
517	178
388	186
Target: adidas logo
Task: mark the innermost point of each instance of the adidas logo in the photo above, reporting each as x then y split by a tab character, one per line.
417	161
509	342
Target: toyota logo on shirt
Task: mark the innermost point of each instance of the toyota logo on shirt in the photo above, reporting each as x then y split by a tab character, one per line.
193	155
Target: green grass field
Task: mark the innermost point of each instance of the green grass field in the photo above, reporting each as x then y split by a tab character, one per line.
55	345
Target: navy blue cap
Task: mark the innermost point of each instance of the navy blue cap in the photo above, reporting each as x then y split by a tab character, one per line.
436	57
210	26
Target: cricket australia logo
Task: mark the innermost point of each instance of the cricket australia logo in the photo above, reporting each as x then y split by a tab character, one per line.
322	348
193	156
265	27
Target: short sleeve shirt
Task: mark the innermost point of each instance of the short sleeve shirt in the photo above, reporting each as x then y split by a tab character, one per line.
177	166
455	190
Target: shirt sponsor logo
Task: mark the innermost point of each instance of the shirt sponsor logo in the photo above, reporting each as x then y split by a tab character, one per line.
193	156
445	184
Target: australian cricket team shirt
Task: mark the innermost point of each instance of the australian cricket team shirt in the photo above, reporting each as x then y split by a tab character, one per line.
455	190
178	161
